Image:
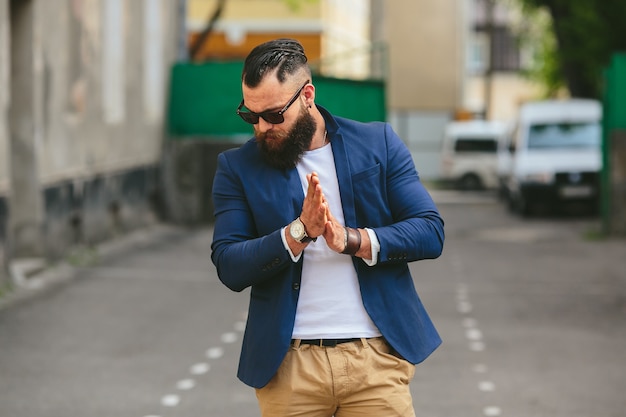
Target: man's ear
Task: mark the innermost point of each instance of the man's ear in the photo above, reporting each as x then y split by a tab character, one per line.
309	95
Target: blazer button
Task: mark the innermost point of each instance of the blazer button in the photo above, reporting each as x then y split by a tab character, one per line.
295	286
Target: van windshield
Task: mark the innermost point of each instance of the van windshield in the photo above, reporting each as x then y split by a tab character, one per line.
476	144
564	135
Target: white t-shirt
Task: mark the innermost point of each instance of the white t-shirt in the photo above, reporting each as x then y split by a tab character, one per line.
330	303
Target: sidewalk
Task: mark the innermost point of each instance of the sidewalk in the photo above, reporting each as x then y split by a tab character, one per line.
42	278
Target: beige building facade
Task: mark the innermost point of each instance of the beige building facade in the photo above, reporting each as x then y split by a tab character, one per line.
432	55
438	60
336	32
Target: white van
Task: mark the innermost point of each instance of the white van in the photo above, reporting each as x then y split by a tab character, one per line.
555	154
469	153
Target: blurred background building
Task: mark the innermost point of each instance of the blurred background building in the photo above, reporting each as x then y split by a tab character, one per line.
84	86
335	33
439	59
82	96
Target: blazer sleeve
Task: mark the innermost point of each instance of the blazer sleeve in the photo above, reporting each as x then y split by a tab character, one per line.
242	257
416	230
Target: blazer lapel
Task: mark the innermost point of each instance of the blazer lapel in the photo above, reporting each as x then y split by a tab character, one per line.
295	192
342	165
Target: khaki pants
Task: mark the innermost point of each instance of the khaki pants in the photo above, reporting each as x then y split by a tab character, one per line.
357	379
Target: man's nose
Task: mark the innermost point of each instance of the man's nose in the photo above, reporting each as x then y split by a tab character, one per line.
264	125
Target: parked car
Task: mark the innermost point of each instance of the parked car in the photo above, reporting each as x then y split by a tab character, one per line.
469	157
555	155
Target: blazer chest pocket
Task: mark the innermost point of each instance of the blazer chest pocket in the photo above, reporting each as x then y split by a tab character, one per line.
369	193
369	174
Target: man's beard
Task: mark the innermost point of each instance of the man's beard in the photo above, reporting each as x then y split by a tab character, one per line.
283	150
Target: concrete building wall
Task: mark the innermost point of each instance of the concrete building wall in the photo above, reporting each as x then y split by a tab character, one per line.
97	85
425	84
4	95
426	59
4	103
98	72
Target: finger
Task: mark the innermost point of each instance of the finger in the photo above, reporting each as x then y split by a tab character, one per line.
314	184
330	216
318	197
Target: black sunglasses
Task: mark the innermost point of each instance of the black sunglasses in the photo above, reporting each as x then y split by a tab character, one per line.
273	117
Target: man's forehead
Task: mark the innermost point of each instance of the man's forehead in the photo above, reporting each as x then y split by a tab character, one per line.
270	94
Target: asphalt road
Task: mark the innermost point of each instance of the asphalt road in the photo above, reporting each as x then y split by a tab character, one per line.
532	313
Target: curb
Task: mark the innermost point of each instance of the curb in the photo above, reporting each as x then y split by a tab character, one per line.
31	277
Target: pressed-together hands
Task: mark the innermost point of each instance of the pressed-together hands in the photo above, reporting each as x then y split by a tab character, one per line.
314	207
319	220
317	217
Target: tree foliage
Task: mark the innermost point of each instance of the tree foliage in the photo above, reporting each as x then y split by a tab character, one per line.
586	33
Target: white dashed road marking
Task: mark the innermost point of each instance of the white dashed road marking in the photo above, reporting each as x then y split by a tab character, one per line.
201	368
473	334
215	353
171	400
229	337
492	411
185	384
487	386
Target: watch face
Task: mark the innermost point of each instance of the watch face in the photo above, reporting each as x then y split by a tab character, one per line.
297	230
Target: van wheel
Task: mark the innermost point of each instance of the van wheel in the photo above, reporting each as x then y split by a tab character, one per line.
470	182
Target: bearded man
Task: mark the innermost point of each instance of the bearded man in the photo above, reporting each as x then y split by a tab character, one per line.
319	216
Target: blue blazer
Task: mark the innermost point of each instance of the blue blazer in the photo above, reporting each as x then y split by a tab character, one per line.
380	189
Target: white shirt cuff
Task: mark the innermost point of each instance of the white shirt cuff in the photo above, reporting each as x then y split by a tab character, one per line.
375	245
283	235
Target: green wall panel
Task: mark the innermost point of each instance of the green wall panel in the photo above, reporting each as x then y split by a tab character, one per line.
203	99
358	100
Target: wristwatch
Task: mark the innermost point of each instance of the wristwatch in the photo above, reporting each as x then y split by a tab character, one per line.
298	232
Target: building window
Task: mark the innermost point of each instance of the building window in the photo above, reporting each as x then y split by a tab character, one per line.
506	53
502	48
478	53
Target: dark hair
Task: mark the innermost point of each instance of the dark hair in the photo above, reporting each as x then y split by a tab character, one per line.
285	54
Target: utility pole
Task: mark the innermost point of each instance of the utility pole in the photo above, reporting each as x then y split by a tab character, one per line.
490	31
